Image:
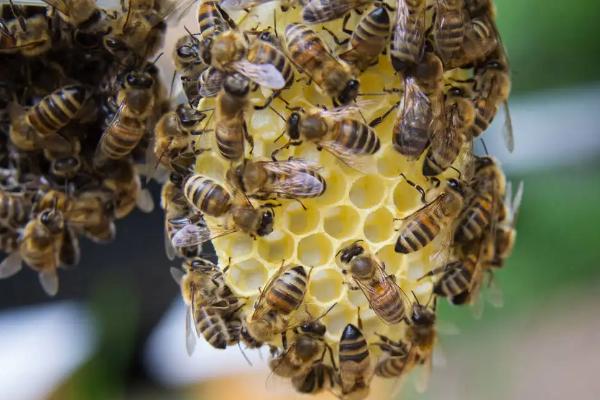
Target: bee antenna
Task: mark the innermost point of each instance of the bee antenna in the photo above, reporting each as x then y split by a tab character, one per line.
415	296
485	149
157	58
244	354
19	18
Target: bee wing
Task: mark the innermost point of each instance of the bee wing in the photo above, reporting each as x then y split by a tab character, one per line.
194	234
423	375
190	332
328	10
49	281
259	309
297	183
60	5
177	274
11	265
515	204
507	131
416	105
264	74
408	27
494	294
358	162
170	250
212	82
242	4
144	201
348	109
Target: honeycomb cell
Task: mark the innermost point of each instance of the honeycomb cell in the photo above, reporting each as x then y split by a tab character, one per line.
406	199
367	191
276	246
315	250
391	163
379	225
337	319
394	262
300	221
336	185
247	276
357	298
208	164
326	285
341	222
236	245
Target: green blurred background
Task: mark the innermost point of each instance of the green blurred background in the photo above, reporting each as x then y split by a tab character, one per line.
543	344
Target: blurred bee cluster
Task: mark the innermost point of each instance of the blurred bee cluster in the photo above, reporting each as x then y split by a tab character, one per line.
77	103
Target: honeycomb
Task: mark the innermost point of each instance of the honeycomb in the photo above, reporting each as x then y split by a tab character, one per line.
358	204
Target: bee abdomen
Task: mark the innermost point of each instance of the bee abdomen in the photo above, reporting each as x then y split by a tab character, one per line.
207	195
358	137
353	346
417	235
57	109
454	281
391	367
475	220
230	141
122	137
288	290
392	309
410	140
210	20
304	46
214	328
319	377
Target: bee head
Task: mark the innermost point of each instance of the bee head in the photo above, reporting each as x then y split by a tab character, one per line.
315	328
200	264
52	219
66	166
267	219
422	315
236	85
188	117
349	92
115	45
456	185
267	36
186	52
86	40
139	80
348	253
293	126
483	162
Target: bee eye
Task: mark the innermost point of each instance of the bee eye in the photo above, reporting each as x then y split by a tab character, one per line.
45	217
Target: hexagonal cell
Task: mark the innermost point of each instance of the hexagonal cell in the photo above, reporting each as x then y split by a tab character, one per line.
341	222
357	298
406	199
315	250
368	191
326	285
276	246
336	185
337	319
211	166
299	221
236	245
379	225
248	276
394	262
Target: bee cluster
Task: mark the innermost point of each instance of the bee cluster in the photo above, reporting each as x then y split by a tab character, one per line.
335	245
78	101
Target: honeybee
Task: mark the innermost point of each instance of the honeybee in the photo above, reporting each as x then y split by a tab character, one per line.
309	53
505	234
334	130
136	99
91	213
308	348
189	65
31	36
317	11
90	23
9	244
173	135
449	28
293	178
41	246
425	224
354	363
212	306
123	181
249	4
282	295
369	39
447	143
422	335
212	199
319	377
210	82
230	125
480	39
492	88
419	117
408	34
483	208
381	290
14	208
397	358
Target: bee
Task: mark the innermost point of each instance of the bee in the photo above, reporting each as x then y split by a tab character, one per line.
91	213
419	117
318	11
123	181
425	224
346	138
210	82
480	39
505	234
293	178
408	34
136	99
319	377
397	358
173	136
381	290
449	28
369	39
89	21
282	295
212	199
230	125
188	64
212	306
492	88
309	53
267	50
15	208
9	244
41	246
308	348
448	142
422	336
31	36
485	205
249	4
354	363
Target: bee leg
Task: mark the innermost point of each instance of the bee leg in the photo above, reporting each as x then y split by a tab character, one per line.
248	137
284	340
359	319
301	204
380	119
337	40
345	29
417	187
268	101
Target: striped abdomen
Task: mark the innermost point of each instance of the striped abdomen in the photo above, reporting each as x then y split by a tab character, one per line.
479	41
40	249
387	302
354	358
287	292
218	332
211	20
57	109
420	231
319	377
262	52
411	131
304	189
207	195
122	137
14	209
327	10
230	139
9	241
306	48
408	35
449	28
454	281
355	136
369	39
391	366
476	218
444	149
